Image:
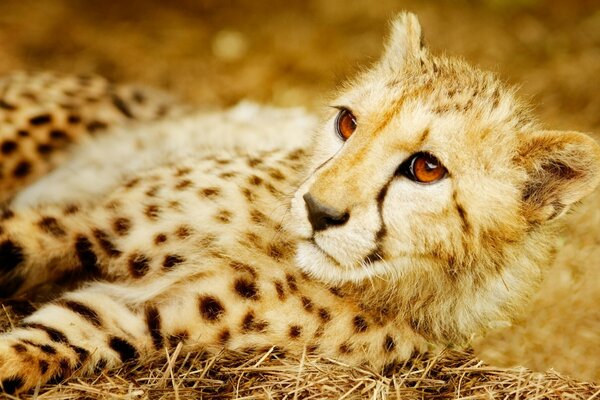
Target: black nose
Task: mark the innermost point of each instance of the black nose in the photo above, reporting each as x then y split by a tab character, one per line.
321	216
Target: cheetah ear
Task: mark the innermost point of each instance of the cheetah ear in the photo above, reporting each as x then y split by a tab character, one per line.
562	168
405	41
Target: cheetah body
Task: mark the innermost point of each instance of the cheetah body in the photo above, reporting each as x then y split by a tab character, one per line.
194	228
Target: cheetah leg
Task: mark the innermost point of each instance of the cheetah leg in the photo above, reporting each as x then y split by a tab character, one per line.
50	244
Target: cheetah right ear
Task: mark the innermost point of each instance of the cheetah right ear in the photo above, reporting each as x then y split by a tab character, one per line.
562	168
404	43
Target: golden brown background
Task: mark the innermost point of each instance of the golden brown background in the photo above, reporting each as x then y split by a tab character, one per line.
213	53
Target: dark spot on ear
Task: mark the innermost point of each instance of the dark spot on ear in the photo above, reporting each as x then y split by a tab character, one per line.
153	321
291	281
279	289
307	304
139	264
360	324
211	309
172	260
11	255
125	349
324	315
50	225
22	169
87	257
103	239
11	385
40	119
8	147
83	311
295	331
121	226
246	289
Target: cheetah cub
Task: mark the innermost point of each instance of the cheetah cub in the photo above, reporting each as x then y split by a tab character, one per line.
422	211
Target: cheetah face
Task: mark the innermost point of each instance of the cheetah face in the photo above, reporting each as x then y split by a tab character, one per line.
427	168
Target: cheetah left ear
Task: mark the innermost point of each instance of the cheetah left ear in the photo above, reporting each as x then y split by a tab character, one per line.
562	168
405	41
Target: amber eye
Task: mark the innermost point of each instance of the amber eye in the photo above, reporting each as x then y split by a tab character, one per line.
423	168
345	124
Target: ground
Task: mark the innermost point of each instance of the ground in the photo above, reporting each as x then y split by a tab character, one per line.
214	53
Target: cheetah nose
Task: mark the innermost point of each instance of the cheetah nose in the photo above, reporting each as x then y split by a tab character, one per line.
321	216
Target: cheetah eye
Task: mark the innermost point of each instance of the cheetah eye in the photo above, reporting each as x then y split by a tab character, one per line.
345	124
423	168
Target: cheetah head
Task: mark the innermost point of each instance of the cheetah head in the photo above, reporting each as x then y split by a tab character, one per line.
434	192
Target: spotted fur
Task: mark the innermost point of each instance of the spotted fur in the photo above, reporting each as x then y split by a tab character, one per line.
196	231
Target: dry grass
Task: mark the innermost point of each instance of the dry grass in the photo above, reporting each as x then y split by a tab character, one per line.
449	374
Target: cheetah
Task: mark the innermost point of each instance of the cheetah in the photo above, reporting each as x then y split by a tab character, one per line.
421	209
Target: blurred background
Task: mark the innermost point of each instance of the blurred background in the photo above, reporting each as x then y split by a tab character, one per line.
213	53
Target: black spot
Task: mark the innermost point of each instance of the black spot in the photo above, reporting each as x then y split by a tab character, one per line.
46	348
8	146
82	310
291	281
51	225
120	105
152	211
255	180
246	289
178	337
22	169
19	348
183	184
40	119
103	240
20	307
125	349
224	337
324	315
7	214
295	331
43	364
360	324
95	126
11	255
210	192
138	265
160	238
7	106
312	348
121	226
153	321
11	385
87	257
307	304
336	291
54	334
82	354
345	348
44	148
211	309
172	260
388	344
58	135
74	119
279	289
22	133
250	324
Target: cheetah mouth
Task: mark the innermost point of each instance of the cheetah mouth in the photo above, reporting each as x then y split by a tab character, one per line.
370	258
328	256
